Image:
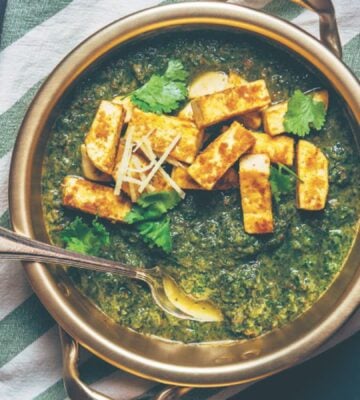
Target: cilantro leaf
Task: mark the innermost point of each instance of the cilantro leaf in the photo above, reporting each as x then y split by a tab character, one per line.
156	233
160	201
175	71
149	219
303	113
163	93
281	183
152	205
81	238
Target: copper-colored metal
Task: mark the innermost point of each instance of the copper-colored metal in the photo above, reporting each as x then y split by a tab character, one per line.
329	33
208	364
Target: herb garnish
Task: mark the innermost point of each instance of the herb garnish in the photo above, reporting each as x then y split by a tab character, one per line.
281	183
81	238
149	219
163	93
304	113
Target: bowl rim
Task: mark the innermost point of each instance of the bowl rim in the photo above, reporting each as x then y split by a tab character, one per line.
71	67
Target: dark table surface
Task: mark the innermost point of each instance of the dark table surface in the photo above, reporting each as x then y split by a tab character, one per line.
334	375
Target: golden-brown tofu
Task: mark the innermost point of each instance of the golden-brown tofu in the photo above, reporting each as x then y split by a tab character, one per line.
280	149
252	120
165	129
211	109
229	180
273	116
139	162
220	155
255	191
103	137
128	106
212	82
92	198
89	170
235	79
313	172
323	96
186	112
208	83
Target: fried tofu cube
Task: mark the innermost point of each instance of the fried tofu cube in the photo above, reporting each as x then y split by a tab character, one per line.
186	112
252	120
127	104
220	155
208	83
280	149
103	137
164	129
313	172
140	163
89	170
213	108
273	117
93	198
236	79
229	180
323	96
255	191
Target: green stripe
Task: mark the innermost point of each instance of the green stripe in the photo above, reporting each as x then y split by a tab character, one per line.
22	327
5	220
283	9
10	121
351	55
23	15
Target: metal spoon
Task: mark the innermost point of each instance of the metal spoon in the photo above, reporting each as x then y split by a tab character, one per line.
17	247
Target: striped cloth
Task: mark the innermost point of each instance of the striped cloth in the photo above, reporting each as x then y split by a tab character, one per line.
36	35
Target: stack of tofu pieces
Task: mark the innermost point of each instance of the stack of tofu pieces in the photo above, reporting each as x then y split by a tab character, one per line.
134	162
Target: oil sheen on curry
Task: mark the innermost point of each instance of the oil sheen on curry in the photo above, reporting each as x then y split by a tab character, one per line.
221	159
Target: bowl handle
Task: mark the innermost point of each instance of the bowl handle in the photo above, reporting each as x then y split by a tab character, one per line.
78	390
329	33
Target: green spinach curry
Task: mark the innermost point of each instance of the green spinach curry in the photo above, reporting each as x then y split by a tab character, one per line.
260	282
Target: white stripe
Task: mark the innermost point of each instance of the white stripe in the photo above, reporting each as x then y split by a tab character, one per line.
346	12
33	370
4	181
14	287
121	385
33	56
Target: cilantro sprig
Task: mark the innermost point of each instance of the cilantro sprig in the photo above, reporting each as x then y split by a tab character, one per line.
148	216
304	113
163	93
85	239
281	183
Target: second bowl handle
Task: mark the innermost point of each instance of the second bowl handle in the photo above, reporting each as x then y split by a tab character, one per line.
78	390
329	32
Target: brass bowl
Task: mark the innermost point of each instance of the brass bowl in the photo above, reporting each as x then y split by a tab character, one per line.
201	365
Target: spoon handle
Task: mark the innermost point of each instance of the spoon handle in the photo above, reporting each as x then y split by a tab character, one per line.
17	247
